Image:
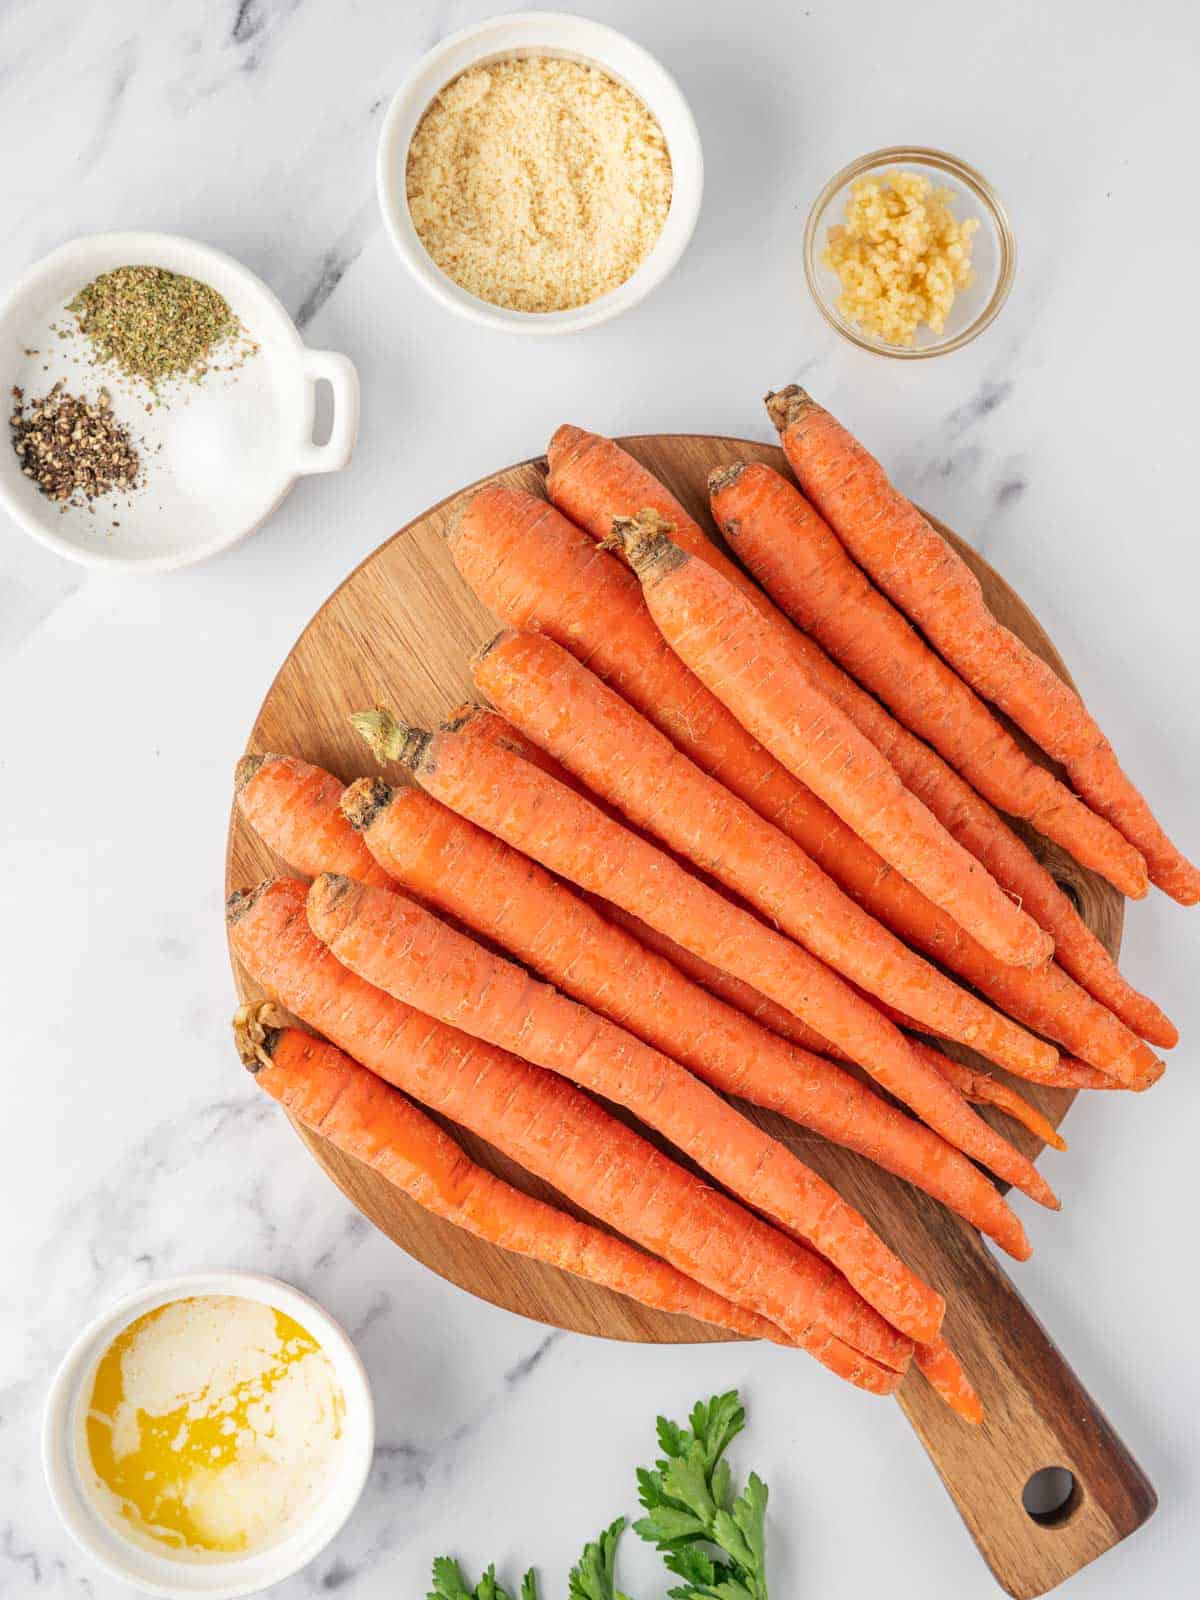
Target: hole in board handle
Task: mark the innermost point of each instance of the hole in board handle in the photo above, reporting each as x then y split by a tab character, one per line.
1051	1496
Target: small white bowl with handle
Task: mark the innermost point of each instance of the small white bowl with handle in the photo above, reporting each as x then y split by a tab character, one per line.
217	456
549	33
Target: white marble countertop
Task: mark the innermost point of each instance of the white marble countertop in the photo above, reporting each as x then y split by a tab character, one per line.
1062	443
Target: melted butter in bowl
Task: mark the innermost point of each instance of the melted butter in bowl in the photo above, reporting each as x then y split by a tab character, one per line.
213	1425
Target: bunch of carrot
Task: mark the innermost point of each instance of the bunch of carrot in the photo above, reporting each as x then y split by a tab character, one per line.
712	840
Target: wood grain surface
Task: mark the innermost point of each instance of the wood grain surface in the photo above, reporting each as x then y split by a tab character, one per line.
399	632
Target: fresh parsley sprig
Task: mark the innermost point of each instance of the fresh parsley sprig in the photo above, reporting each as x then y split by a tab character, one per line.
449	1584
711	1537
692	1510
595	1576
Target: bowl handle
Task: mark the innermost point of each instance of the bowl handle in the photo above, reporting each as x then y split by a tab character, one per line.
339	372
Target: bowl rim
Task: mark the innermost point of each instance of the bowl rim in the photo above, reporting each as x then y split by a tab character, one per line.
954	167
593	42
178	253
145	1570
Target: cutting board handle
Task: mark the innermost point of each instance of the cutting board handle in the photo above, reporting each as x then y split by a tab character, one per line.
1038	1416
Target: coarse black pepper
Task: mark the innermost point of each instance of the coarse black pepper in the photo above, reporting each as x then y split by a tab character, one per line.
73	449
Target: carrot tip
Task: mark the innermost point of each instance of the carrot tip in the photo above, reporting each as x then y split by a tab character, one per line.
256	1029
362	802
242	900
461	715
646	541
388	739
245	770
721	477
786	404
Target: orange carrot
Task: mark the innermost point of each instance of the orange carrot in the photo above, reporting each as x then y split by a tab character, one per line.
1073	1074
510	797
940	1366
981	1089
460	870
557	1133
1067	1074
747	1000
593	479
738	655
366	1118
978	828
888	536
474	721
397	945
294	808
568	712
799	560
535	569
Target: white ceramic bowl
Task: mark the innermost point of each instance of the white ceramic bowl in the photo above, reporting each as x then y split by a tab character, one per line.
63	1440
556	34
218	458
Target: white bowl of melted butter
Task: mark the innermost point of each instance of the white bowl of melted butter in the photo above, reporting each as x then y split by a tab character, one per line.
209	1435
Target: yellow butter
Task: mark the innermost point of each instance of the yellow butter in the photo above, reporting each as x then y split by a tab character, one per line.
212	1426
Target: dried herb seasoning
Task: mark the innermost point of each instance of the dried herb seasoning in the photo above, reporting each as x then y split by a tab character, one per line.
158	326
74	449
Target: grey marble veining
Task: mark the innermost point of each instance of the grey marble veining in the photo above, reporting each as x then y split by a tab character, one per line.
1060	444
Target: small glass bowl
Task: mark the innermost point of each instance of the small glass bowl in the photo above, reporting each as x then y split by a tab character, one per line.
993	257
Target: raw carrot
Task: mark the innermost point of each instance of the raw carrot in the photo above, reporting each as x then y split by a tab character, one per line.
593	479
400	947
364	1117
294	808
746	665
567	711
911	563
940	1367
978	828
510	797
981	1089
459	869
474	721
801	563
747	1000
1073	1074
1067	1074
535	569
557	1133
738	655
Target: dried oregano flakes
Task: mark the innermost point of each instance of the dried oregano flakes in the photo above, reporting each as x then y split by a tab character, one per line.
158	326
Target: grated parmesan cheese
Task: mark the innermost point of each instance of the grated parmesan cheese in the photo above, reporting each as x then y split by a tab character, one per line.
538	184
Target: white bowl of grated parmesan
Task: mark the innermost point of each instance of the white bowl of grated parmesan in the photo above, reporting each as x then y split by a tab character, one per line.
539	173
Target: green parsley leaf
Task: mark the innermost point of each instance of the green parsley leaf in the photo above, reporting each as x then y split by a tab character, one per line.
595	1575
448	1581
449	1584
692	1508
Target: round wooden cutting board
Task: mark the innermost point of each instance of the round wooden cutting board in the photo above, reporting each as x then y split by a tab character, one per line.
400	632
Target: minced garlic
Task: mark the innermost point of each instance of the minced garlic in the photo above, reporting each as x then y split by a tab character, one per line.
213	1426
901	255
537	183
